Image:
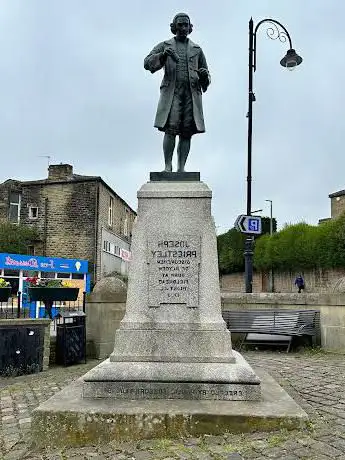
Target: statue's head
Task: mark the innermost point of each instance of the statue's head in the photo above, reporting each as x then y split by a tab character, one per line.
181	25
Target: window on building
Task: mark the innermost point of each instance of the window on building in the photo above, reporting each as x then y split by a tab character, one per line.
49	275
111	211
111	248
14	209
106	246
77	276
11	273
33	212
31	250
30	273
62	275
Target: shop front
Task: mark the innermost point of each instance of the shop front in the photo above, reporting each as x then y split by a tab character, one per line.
16	268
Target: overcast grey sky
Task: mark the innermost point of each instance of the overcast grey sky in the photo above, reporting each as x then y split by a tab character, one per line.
73	86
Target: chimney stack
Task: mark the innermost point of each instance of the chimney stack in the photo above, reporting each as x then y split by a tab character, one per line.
60	172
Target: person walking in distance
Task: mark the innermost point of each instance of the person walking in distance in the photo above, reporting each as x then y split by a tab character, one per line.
299	282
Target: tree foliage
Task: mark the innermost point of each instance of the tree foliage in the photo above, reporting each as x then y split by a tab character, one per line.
302	246
15	239
296	247
231	247
230	251
265	224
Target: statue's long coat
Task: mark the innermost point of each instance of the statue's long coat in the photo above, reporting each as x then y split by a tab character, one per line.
196	60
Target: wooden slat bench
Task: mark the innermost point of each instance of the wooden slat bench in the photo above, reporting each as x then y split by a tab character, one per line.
273	327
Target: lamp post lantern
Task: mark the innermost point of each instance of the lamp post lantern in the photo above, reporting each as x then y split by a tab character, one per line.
291	60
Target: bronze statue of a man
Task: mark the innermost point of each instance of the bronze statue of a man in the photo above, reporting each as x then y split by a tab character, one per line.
186	76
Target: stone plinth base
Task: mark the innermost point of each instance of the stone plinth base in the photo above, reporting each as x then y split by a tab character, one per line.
169	380
67	419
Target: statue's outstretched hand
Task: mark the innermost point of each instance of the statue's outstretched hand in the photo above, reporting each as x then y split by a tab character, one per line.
172	53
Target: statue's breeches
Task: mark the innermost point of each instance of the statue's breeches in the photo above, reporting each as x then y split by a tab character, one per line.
181	119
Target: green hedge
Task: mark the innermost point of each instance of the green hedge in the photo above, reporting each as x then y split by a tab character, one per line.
296	247
303	246
230	251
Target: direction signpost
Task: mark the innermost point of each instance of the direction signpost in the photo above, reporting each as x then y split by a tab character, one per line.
249	225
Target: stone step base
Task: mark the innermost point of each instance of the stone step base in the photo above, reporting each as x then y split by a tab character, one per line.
171	380
67	419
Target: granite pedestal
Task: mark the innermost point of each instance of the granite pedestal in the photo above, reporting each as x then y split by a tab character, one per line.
173	342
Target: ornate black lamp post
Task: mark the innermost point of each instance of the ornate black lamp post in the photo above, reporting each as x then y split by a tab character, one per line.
290	61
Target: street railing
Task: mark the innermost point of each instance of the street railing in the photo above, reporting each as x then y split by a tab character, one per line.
16	308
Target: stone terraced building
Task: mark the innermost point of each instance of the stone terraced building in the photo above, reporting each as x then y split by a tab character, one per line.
76	216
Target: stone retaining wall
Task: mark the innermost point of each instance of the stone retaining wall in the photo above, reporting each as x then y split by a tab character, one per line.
319	281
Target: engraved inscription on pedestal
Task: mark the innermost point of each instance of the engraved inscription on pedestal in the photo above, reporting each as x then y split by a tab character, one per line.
173	270
179	390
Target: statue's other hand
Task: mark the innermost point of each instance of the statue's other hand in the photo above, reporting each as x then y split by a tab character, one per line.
172	53
203	73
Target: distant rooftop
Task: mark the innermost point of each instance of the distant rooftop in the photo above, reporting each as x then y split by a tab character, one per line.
64	173
335	194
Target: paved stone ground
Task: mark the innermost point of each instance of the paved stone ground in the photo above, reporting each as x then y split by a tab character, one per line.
314	379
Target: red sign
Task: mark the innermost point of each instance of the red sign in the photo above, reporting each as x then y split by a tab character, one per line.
126	255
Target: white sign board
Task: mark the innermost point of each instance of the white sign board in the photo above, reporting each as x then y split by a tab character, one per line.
249	224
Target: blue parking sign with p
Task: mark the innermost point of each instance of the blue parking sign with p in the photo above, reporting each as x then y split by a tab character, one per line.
248	224
254	225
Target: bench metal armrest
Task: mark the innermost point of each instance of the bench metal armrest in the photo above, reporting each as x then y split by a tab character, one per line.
303	326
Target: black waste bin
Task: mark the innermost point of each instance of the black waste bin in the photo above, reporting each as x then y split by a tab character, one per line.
70	337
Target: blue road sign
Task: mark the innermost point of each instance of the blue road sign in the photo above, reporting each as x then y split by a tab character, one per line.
249	224
254	224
